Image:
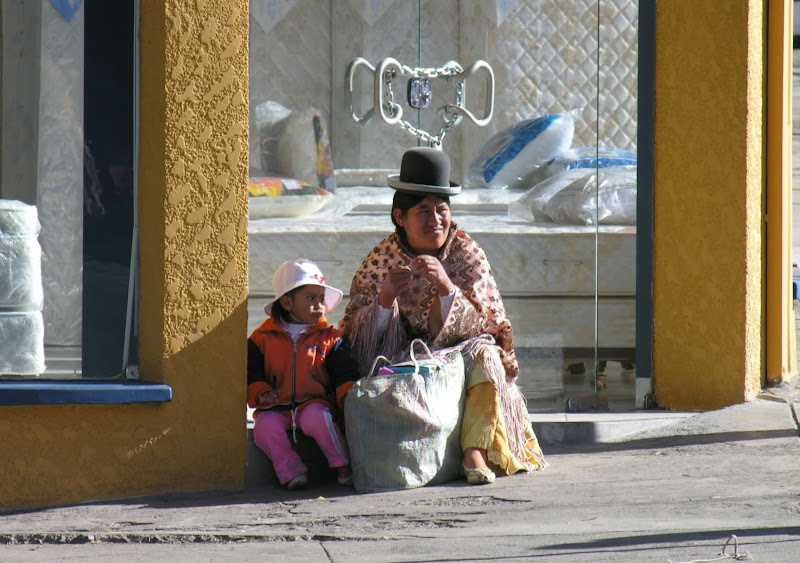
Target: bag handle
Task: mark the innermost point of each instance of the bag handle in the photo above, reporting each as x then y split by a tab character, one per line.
375	364
414	357
411	353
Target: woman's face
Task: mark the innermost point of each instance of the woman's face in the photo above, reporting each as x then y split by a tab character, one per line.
426	224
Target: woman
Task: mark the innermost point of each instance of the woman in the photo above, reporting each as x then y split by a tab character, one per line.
430	280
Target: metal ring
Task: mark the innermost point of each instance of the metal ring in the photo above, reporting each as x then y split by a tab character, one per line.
488	106
348	82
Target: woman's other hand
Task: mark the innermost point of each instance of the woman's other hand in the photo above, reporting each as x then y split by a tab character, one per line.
429	267
398	280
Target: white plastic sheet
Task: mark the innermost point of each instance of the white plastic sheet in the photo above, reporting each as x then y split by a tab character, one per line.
21	343
20	257
572	198
21	323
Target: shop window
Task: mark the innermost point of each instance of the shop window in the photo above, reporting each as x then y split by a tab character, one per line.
68	192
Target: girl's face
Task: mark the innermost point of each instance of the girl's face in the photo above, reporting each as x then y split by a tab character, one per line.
427	224
306	305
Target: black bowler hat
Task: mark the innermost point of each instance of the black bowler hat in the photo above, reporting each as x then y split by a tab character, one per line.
424	170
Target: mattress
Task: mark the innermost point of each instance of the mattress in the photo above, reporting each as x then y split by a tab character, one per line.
546	273
547	56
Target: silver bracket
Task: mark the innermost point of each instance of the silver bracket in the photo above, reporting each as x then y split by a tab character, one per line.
391	113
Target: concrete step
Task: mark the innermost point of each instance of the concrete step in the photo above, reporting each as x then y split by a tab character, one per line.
260	473
551	429
591	428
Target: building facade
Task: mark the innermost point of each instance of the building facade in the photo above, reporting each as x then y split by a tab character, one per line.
718	311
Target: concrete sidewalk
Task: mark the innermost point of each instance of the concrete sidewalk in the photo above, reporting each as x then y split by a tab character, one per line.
675	492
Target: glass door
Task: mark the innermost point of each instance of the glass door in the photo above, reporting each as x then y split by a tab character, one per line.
535	105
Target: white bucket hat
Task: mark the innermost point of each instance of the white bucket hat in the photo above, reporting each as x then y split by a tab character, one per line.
291	275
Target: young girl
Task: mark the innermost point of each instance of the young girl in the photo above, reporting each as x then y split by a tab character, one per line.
298	366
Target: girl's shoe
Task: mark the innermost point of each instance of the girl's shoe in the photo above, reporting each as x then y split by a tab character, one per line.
344	475
297	482
478	475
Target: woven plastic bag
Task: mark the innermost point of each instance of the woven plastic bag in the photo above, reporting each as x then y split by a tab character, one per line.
404	427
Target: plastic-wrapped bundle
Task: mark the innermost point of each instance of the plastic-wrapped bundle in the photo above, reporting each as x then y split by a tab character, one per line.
583	203
571	197
513	155
21	294
530	207
21	343
20	257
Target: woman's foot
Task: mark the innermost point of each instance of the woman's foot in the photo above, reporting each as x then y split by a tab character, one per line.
344	475
475	458
478	476
474	467
297	482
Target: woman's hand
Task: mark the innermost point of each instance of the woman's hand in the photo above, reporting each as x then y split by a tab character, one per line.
398	280
429	267
267	399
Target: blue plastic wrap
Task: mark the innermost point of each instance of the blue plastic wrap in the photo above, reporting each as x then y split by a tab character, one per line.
511	156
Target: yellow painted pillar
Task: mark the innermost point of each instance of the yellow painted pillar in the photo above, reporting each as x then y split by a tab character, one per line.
193	217
781	334
709	235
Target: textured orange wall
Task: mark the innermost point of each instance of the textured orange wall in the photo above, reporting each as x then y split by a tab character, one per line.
708	202
193	317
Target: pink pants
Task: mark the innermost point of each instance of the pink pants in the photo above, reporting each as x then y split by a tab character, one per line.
272	433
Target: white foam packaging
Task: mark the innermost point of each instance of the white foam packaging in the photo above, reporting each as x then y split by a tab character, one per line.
21	293
21	343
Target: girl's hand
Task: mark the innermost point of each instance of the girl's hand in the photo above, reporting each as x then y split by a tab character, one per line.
398	280
267	399
429	267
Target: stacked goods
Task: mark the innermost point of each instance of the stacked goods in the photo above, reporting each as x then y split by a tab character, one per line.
570	186
21	294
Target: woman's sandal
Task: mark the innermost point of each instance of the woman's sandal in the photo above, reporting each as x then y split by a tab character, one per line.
477	475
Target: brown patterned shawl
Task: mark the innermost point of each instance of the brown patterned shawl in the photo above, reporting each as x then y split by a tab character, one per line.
477	307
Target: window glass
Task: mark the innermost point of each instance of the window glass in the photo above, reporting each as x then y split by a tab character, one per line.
67	166
563	82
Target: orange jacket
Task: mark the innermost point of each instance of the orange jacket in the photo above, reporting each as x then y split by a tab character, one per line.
317	368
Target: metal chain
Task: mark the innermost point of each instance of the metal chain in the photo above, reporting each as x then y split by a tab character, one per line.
388	96
422	135
446	71
449	68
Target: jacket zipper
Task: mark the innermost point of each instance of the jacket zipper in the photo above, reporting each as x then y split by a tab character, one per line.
293	406
294	387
